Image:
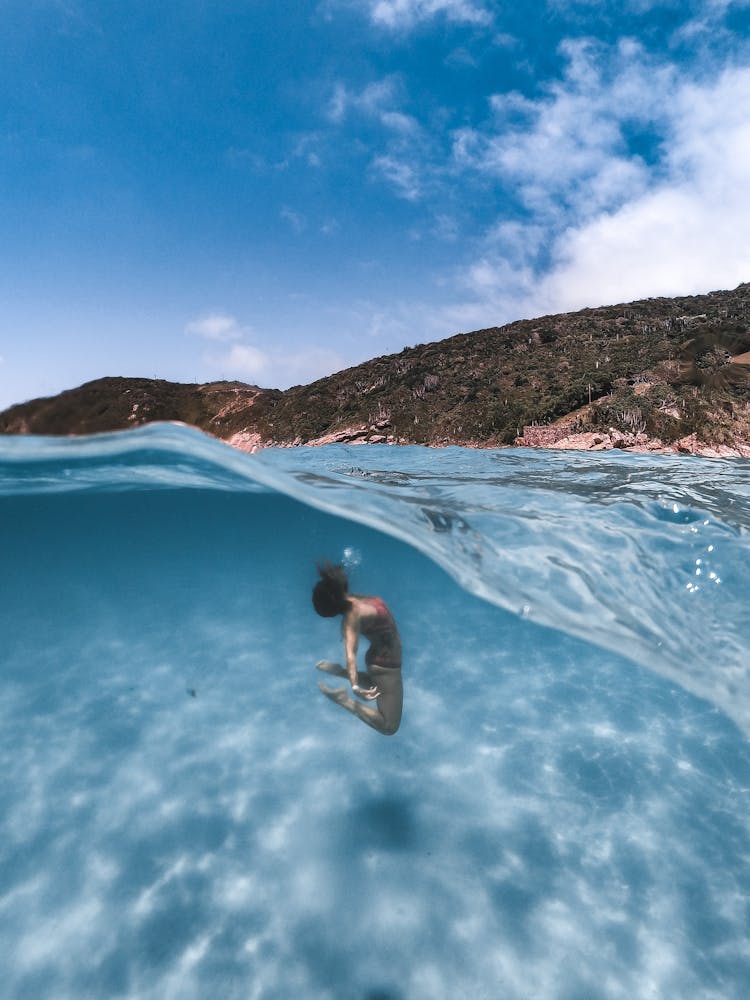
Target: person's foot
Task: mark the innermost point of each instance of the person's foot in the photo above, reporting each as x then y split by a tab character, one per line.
330	668
339	695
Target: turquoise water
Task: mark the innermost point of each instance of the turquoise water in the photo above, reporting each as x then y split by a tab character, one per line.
563	813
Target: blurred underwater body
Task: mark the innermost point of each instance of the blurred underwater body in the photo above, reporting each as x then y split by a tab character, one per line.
563	813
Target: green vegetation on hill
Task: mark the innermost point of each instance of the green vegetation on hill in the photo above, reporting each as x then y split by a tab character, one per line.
483	387
662	366
110	404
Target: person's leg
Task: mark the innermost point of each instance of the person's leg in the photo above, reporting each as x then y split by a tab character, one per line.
387	717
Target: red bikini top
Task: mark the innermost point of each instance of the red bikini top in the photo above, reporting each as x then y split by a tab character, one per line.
386	618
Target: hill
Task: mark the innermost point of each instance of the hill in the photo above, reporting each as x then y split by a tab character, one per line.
657	368
110	404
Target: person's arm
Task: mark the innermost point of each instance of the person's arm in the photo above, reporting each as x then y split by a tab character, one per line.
351	641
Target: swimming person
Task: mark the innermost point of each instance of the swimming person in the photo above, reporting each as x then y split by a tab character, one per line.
370	617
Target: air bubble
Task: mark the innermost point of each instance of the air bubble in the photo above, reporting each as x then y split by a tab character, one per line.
352	557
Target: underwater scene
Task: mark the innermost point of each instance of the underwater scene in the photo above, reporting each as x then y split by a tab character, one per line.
564	812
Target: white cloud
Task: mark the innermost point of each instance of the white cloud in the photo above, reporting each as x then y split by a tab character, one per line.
614	227
399	162
307	148
690	232
378	100
307	364
406	13
273	368
238	351
243	359
628	175
399	122
216	326
567	151
277	369
401	175
296	220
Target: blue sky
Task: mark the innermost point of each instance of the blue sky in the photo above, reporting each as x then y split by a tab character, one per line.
274	191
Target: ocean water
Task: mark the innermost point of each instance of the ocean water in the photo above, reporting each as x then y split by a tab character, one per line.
564	812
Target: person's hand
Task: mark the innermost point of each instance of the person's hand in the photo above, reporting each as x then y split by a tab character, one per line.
369	694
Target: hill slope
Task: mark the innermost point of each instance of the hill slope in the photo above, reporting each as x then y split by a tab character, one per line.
109	404
662	367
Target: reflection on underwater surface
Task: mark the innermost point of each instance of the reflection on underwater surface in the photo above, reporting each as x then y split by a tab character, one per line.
552	820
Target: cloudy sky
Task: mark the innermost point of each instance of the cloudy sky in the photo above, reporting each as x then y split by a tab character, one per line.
272	191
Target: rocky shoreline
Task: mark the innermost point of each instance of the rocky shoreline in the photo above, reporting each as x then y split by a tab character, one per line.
562	441
643	444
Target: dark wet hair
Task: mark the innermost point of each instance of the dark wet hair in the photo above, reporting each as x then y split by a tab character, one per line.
329	594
